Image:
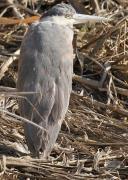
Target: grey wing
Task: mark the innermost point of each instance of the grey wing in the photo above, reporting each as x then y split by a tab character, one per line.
60	107
46	69
63	85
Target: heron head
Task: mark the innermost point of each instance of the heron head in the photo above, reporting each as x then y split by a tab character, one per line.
62	9
69	13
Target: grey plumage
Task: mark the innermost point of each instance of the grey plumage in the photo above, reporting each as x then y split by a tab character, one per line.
45	66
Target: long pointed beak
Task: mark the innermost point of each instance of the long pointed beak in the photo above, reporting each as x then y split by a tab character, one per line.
81	18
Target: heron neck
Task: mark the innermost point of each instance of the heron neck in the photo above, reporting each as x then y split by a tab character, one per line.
60	20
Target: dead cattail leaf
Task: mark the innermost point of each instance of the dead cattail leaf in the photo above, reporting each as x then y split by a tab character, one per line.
11	21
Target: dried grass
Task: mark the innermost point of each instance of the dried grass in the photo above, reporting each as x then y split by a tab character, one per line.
93	141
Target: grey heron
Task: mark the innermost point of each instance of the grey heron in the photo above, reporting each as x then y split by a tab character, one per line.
46	67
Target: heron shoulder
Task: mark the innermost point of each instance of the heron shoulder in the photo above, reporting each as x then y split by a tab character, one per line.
51	30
